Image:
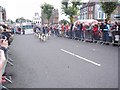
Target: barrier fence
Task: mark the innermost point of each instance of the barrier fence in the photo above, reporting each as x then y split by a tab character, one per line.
6	37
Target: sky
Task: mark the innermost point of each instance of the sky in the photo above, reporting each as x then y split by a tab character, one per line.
27	8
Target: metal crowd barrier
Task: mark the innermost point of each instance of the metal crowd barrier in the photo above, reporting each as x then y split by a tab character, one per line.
8	60
97	37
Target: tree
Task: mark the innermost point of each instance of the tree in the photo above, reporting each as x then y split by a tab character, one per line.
71	8
10	21
47	10
20	20
108	7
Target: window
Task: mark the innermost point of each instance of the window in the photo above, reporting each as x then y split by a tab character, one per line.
27	27
85	15
99	15
91	8
105	16
91	16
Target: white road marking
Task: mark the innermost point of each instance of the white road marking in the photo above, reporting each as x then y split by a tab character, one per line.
97	64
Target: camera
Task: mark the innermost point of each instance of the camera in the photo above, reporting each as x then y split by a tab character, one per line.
3	37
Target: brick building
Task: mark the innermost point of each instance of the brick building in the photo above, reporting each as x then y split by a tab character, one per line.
93	10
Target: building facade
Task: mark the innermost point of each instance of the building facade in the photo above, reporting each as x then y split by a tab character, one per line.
37	19
84	11
93	10
2	14
116	12
98	12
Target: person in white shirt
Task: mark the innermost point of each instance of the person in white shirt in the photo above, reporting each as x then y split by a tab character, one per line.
2	63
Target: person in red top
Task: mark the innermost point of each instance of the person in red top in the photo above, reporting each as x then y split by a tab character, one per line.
95	28
95	32
83	31
63	29
67	29
83	28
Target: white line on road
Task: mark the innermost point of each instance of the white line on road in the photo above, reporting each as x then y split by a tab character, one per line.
97	64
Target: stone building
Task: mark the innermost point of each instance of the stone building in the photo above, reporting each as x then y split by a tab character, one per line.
2	14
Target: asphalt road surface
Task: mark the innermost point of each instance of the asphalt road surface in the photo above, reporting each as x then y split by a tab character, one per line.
62	63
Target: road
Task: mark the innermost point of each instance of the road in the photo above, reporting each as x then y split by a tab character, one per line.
62	63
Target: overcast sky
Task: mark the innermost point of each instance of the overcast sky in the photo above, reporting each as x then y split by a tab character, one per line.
27	8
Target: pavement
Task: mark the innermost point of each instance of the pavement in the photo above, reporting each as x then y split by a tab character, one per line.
62	63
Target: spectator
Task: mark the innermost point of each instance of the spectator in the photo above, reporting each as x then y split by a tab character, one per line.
2	61
105	33
71	31
95	32
23	31
8	34
75	29
67	29
83	31
63	29
79	30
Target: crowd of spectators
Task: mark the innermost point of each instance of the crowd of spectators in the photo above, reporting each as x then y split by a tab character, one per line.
105	32
6	37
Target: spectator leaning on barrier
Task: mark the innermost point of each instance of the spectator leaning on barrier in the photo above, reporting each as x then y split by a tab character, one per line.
3	55
110	32
2	61
75	31
63	29
67	29
90	31
81	26
105	33
95	32
3	44
79	30
101	28
71	31
83	30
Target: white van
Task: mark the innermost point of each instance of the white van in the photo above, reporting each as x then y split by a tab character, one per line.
28	29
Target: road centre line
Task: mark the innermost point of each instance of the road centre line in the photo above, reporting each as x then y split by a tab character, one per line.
97	64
